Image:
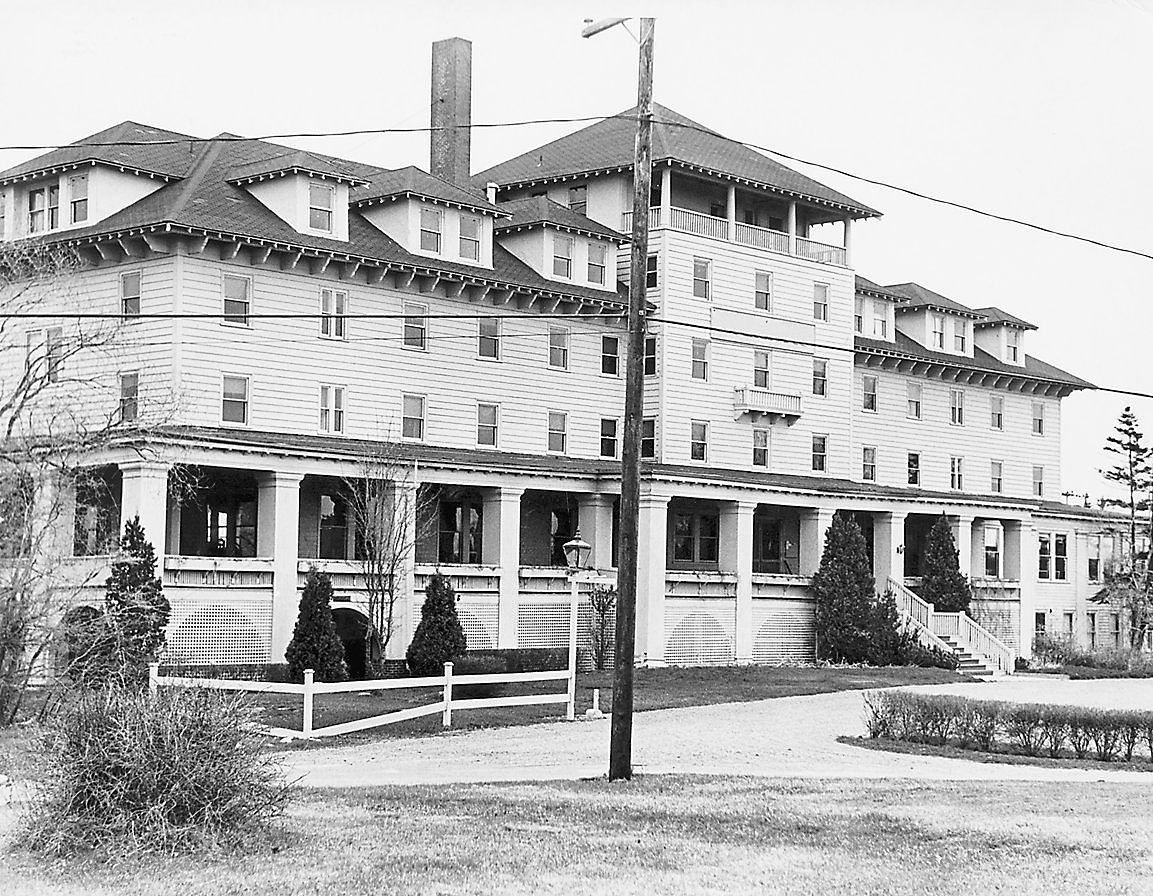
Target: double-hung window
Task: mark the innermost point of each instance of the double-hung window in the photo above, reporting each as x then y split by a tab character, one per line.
1013	346
487	425
956	407
652	272
820	376
821	301
696	538
699	440
130	293
996	476
611	355
649	437
938	331
869	393
597	255
321	203
880	320
1093	542
913	395
859	316
761	370
430	224
957	473
234	399
54	206
129	396
237	300
470	237
332	409
78	198
415	326
702	277
960	337
609	427
488	338
820	453
1038	482
562	256
1060	557
557	432
760	447
914	463
997	412
1038	419
1044	556
869	464
650	356
333	307
412	412
763	295
700	363
558	347
36	210
993	552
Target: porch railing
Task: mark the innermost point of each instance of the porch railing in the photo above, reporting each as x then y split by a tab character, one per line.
218	572
762	238
822	252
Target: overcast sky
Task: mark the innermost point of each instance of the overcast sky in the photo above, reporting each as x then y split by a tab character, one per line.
1038	110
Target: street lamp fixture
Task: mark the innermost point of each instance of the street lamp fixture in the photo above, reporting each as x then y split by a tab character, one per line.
576	552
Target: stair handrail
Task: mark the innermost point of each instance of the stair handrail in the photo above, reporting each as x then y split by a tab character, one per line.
985	642
919	612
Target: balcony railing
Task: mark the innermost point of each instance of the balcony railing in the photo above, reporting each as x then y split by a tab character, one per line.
685	221
218	572
761	402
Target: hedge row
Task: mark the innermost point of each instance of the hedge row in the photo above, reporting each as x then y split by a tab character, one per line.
1023	729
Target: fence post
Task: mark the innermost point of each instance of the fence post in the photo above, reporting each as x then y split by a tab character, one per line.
570	710
153	675
306	721
446	719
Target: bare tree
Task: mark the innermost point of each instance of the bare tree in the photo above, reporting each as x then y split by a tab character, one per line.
390	514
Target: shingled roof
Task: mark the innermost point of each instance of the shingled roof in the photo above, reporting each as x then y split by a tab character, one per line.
540	210
609	145
412	181
994	316
915	296
867	287
296	162
168	156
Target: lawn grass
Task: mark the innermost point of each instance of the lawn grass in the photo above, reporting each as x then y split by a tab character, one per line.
667	688
1140	762
667	835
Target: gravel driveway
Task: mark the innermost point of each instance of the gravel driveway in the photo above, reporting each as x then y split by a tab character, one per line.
785	737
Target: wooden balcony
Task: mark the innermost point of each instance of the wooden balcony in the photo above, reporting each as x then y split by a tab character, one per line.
711	227
761	403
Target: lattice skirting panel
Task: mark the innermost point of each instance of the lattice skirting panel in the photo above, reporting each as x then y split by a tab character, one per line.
700	632
219	630
1001	617
783	631
543	624
480	619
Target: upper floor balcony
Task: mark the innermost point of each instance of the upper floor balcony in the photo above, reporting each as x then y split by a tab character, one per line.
780	241
761	403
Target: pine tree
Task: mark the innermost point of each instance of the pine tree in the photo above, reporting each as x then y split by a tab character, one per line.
942	582
439	636
1133	471
315	644
843	587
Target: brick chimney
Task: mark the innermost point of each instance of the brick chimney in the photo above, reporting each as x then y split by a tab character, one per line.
451	109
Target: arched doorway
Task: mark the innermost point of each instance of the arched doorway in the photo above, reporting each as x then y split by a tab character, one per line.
352	628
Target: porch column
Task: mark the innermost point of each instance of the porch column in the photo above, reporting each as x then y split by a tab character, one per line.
962	525
736	556
1020	563
792	228
277	535
888	548
500	547
651	547
595	520
849	242
815	522
405	493
144	493
666	195
731	211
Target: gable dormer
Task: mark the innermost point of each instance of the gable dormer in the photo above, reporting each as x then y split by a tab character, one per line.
560	243
874	311
935	321
304	190
1002	335
430	216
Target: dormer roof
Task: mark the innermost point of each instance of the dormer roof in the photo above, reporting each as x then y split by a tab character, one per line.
540	211
289	163
915	297
608	146
866	287
137	148
995	317
413	183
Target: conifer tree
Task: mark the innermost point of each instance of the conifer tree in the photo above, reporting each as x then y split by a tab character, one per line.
942	582
315	644
843	587
439	636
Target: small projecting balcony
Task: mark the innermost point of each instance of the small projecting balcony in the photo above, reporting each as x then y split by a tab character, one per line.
760	403
710	226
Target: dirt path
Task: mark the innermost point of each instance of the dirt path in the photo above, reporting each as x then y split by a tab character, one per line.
786	737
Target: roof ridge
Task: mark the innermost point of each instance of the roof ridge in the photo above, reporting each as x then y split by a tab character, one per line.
209	153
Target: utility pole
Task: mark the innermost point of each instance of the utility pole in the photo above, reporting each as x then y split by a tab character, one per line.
621	743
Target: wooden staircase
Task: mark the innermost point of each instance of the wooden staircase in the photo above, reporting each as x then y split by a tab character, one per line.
979	653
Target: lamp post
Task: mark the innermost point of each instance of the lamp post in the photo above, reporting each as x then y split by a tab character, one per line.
576	553
621	742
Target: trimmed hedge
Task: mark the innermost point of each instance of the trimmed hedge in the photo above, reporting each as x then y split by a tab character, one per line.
1023	729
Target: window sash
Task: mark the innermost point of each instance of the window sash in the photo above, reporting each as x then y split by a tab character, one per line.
996	476
562	257
1039	481
487	424
332	409
321	202
488	338
412	417
913	397
699	440
237	300
956	473
610	355
597	256
702	277
78	201
820	453
956	407
608	446
914	468
997	412
1038	419
36	210
869	390
557	432
558	345
234	399
820	377
649	437
430	227
762	373
652	272
820	301
763	294
700	359
760	447
130	284
333	306
650	356
470	237
415	326
869	464
129	396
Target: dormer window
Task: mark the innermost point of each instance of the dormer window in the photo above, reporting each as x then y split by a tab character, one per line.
36	210
1013	346
596	263
430	224
880	321
578	198
470	237
939	331
78	201
562	257
959	337
321	203
53	206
